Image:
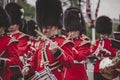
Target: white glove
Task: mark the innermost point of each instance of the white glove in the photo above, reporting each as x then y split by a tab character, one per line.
53	45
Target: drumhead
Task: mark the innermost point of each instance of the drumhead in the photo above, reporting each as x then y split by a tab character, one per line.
107	70
105	63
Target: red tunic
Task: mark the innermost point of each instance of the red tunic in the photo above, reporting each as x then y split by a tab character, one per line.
22	44
111	52
78	71
64	58
33	46
8	51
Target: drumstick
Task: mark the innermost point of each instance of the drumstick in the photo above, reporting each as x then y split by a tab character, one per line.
47	38
51	40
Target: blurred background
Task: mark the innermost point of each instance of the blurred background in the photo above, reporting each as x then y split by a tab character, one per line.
110	8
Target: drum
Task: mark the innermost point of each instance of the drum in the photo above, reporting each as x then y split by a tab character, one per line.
116	62
108	68
46	74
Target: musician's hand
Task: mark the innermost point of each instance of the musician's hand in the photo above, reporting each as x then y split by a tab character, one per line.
105	51
25	70
93	43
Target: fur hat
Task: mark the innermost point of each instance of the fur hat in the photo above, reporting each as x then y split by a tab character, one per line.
31	26
104	25
73	20
48	13
4	19
15	12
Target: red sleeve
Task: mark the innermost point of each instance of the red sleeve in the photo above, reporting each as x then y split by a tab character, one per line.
82	52
22	46
111	49
66	57
33	63
94	47
13	56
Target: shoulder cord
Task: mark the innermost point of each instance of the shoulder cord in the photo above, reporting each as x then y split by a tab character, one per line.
44	55
98	48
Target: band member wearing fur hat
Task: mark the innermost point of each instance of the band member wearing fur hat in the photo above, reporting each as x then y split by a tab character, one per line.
33	40
15	13
77	21
50	14
53	49
73	25
8	48
30	28
103	46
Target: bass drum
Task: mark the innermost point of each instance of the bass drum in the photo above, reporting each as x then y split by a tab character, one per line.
116	62
108	68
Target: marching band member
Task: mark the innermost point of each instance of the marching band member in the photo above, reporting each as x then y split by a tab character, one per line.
8	49
15	13
73	24
34	41
116	44
118	29
102	47
30	29
54	51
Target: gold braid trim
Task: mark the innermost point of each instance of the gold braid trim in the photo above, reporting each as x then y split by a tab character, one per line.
23	35
85	41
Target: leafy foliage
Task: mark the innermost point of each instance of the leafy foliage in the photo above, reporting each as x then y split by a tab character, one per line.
29	10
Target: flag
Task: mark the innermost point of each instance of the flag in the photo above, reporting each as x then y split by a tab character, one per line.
88	10
97	9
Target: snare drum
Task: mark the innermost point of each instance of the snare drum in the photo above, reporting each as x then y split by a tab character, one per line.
108	68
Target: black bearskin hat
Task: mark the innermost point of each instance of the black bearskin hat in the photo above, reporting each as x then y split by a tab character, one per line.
73	20
31	26
48	13
4	19
104	25
15	12
24	24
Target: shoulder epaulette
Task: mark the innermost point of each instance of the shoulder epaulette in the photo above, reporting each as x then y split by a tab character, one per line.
12	40
67	41
85	40
23	35
84	37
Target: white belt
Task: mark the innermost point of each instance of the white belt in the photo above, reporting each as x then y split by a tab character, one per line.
77	62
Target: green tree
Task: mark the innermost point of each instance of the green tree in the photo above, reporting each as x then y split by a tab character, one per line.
1	2
29	10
